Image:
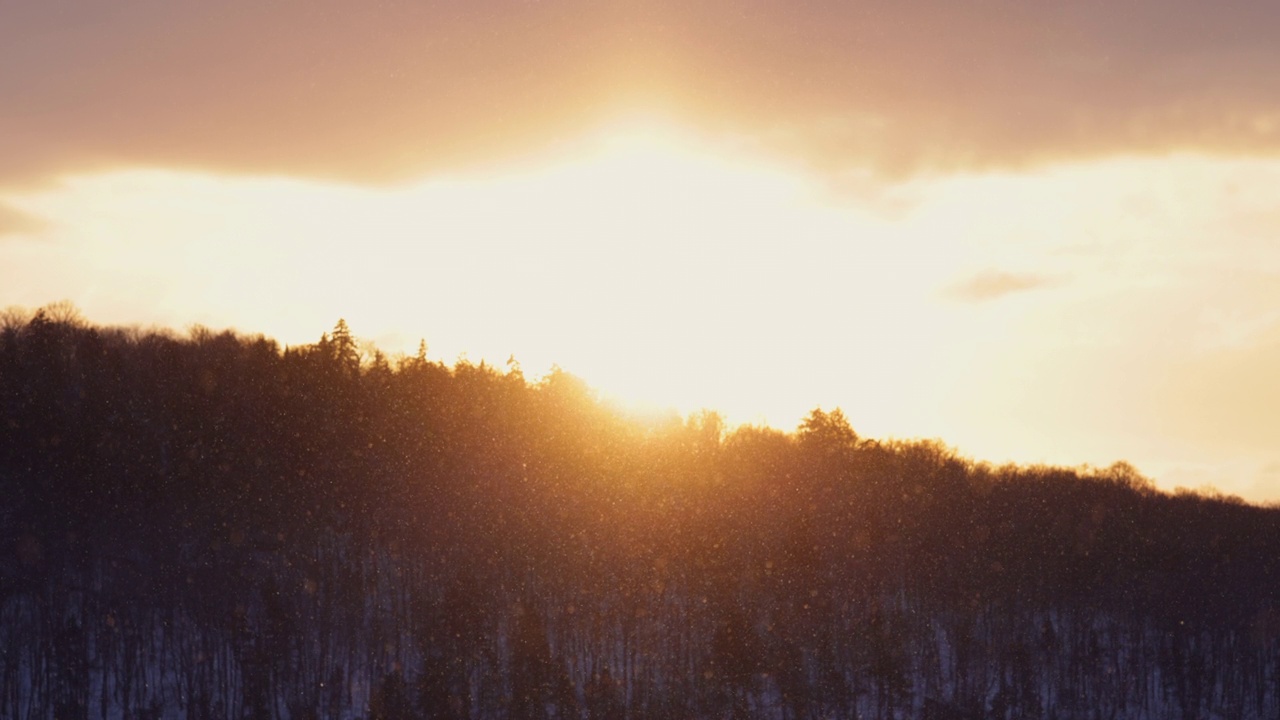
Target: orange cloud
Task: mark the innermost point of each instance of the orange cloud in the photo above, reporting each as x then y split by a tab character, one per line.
16	222
374	93
993	284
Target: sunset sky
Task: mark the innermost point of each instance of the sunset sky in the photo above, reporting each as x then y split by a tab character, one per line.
1039	231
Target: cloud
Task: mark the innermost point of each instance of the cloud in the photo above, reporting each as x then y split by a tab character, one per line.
17	222
1226	395
335	89
994	284
1266	483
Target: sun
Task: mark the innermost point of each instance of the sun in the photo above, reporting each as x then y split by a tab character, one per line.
671	271
666	268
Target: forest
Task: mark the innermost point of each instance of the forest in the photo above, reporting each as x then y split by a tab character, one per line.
207	525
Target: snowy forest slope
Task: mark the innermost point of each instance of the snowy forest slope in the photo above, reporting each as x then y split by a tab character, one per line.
210	526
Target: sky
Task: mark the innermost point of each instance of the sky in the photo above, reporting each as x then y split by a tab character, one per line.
1040	232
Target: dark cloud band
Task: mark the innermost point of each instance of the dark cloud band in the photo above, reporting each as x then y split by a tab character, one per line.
332	89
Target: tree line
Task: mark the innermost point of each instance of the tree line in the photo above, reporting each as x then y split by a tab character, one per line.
209	525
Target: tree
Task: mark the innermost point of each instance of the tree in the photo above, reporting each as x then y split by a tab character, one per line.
828	432
344	349
391	701
532	669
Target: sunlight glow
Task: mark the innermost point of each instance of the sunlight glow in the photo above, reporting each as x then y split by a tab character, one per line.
670	271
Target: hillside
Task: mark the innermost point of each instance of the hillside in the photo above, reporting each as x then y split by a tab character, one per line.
211	526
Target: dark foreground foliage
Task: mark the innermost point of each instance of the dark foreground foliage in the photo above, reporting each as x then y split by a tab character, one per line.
211	527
